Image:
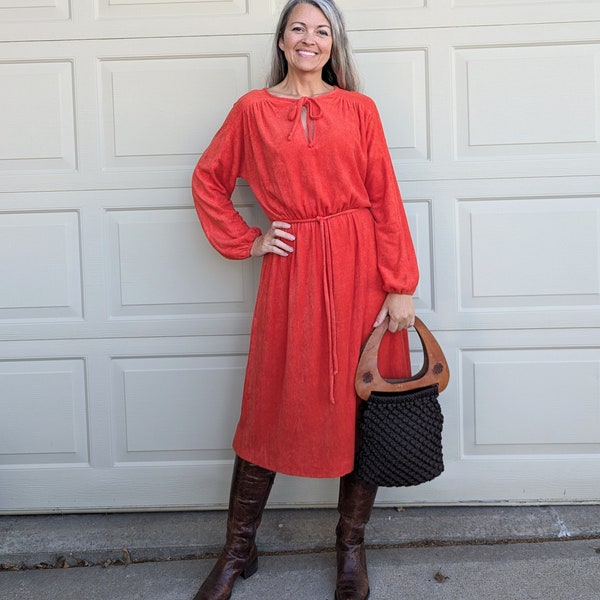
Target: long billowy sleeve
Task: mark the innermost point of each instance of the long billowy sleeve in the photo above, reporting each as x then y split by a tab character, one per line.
213	183
396	257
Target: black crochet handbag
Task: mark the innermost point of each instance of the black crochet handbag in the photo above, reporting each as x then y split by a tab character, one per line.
400	421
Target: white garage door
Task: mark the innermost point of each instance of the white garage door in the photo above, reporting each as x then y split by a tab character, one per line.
123	334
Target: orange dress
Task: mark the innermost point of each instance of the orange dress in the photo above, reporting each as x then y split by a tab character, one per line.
332	179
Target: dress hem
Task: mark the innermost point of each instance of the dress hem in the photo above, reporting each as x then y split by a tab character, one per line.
283	470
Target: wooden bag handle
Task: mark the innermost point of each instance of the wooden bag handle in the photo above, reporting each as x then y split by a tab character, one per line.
434	370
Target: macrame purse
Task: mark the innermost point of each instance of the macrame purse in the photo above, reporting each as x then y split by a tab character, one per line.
400	420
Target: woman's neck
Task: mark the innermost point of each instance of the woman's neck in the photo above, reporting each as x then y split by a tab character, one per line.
296	87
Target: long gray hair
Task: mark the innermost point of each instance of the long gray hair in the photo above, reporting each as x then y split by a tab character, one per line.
340	69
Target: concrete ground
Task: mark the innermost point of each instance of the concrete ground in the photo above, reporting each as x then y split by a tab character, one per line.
434	553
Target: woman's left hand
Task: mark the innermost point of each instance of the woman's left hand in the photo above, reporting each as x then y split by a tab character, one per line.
400	309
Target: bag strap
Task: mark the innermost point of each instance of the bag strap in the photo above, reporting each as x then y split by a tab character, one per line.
434	369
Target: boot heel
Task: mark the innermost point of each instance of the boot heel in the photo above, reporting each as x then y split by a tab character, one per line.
250	568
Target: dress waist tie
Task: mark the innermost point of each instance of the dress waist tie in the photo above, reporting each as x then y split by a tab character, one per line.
328	292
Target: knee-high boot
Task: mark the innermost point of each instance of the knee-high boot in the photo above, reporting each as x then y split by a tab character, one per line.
250	487
355	505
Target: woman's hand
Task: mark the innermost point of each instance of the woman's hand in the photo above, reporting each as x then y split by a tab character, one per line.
272	241
401	311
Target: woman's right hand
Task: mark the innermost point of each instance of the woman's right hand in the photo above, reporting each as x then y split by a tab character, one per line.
273	241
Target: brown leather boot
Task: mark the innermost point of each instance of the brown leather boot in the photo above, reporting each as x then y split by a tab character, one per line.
250	487
355	506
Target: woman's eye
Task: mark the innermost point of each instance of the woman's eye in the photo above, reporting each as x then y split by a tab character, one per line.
323	32
297	28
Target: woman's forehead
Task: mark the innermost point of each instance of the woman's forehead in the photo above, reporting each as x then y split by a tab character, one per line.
308	14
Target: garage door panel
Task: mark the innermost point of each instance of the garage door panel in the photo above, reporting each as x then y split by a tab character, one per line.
37	117
530	253
531	401
493	481
44	412
161	102
402	99
134	9
419	215
40	265
519	11
35	10
161	265
175	408
528	101
156	110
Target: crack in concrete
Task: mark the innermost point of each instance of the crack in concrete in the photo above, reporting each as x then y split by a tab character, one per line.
563	530
62	562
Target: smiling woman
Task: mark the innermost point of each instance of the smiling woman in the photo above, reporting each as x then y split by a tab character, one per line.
340	70
306	44
336	260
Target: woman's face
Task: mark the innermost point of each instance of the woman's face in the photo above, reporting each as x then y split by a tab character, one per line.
306	40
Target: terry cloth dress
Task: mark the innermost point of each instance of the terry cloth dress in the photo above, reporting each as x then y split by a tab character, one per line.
330	176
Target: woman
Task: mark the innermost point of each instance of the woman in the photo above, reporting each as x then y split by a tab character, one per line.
337	259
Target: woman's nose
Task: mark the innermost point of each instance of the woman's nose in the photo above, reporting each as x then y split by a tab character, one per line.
308	38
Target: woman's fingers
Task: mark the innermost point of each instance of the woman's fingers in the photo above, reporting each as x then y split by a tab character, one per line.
401	311
383	313
273	240
278	226
278	234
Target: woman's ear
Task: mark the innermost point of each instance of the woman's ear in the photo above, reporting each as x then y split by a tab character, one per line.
280	44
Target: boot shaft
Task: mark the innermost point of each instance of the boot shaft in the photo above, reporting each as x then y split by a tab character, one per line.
356	499
250	489
355	505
